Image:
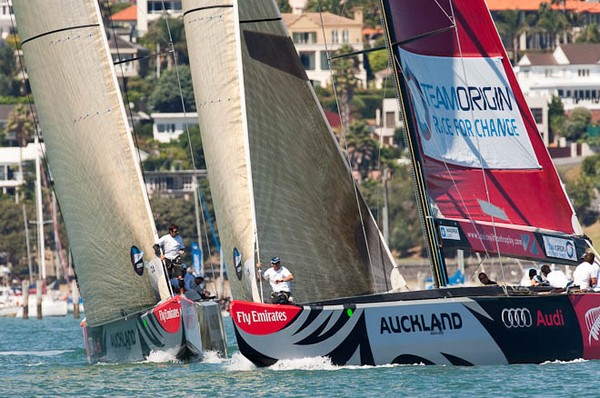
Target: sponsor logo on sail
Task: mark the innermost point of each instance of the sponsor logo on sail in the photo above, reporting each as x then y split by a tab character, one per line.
449	232
432	323
516	318
454	117
253	317
123	339
559	247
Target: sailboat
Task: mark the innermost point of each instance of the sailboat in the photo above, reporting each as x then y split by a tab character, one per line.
484	183
130	308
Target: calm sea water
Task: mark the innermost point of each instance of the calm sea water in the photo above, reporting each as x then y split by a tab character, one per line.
46	358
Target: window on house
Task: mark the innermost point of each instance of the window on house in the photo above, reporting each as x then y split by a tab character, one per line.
308	59
304	37
538	115
390	120
334	37
324	63
2	173
345	36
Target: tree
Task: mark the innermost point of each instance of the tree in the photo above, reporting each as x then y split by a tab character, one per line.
590	34
20	122
159	36
12	231
511	24
345	82
556	116
577	123
165	96
553	22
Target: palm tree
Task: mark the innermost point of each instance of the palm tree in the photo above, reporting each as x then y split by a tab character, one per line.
512	24
20	122
553	22
345	81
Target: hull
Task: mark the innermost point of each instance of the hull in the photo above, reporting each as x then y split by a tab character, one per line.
180	327
483	328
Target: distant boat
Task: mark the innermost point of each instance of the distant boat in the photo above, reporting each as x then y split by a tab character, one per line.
130	309
484	183
8	305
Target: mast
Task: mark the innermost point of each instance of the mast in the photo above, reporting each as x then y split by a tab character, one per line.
438	263
40	213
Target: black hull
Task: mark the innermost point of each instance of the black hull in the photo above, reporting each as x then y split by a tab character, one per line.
463	326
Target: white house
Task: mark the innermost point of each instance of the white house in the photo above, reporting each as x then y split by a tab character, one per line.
10	159
571	72
169	126
6	18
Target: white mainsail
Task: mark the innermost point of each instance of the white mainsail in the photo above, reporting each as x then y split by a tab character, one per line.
279	182
90	153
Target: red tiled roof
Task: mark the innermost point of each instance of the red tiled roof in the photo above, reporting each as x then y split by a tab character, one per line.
534	5
126	15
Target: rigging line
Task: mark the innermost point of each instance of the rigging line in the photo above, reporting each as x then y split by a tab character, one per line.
344	138
126	93
485	183
172	50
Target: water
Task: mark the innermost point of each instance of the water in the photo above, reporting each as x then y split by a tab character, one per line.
46	358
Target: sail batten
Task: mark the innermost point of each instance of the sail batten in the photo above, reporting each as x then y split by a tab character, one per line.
90	154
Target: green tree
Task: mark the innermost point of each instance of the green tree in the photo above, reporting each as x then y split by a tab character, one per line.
511	24
581	193
379	60
577	123
590	34
345	82
556	116
20	122
12	230
554	23
165	96
166	36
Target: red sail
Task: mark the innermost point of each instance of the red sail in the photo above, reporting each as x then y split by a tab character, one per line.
480	151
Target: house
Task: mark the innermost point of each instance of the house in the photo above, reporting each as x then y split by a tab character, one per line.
151	10
6	19
536	39
125	22
10	159
388	119
127	56
318	35
169	126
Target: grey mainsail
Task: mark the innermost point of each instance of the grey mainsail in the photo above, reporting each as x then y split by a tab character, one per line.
279	182
90	152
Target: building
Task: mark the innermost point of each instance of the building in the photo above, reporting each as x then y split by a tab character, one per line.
10	170
151	10
169	126
6	19
316	36
388	120
178	183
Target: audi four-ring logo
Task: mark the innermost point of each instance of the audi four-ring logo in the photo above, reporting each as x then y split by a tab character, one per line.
517	318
